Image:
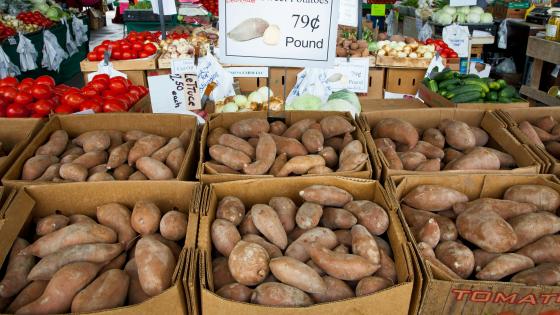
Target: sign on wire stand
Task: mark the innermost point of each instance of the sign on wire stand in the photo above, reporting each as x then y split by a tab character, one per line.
351	74
291	33
174	93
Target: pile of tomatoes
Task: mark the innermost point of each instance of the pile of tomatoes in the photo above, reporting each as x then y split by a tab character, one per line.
211	6
6	31
40	97
442	48
175	36
35	18
124	49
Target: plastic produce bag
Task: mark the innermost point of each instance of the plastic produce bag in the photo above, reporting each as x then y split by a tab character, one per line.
506	66
502	35
80	31
71	46
390	23
425	32
53	54
313	81
7	67
27	54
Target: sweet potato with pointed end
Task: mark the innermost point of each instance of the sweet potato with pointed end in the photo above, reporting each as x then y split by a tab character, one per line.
268	223
145	217
162	153
434	137
433	165
51	223
418	218
278	128
35	166
335	125
529	131
237	143
482	258
236	292
279	162
392	157
279	294
544	197
272	250
320	236
56	144
363	244
480	136
17	271
429	233
73	172
546	249
156	264
91	159
247	226
72	149
297	129
248	263
457	257
175	160
387	269
429	150
117	217
506	161
115	263
353	147
154	169
411	160
342	266
505	208
370	215
173	225
118	155
96	140
459	135
477	159
313	140
503	266
94	253
530	227
74	234
543	274
108	291
428	254
433	197
369	285
336	290
224	236
329	196
397	130
250	127
220	273
354	162
383	143
546	123
300	165
145	147
337	218
232	209
265	156
292	147
214	136
137	176
232	158
486	229
286	210
123	172
135	292
330	156
297	274
50	173
29	294
308	215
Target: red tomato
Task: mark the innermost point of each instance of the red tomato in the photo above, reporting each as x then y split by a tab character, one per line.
41	91
137	46
143	89
25	87
127	101
429	41
133	97
92	56
105	42
118	84
113	105
98	85
8	93
101	77
100	49
116	54
89	91
9	81
23	98
113	45
109	94
453	55
2	111
143	54
126	46
444	54
41	107
135	90
126	55
150	48
46	79
16	111
74	100
27	81
90	104
64	109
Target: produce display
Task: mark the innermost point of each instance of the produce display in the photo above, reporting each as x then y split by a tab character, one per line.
135	45
543	132
442	48
509	239
211	6
183	41
6	30
105	155
82	264
470	88
452	145
323	247
342	101
256	147
462	15
261	99
408	47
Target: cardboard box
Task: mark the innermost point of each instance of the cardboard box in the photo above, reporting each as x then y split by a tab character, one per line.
443	296
96	18
39	201
168	125
511	118
15	134
500	138
144	105
394	300
435	100
388	104
403	80
376	83
225	120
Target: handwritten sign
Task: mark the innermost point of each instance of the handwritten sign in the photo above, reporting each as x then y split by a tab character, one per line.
348	13
248	72
174	93
352	74
179	66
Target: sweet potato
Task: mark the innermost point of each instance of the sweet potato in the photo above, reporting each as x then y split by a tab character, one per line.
387	268
115	263
137	176
35	166
459	135
134	135
279	162
145	147
145	217
72	149
457	257
162	153
428	150
477	159
172	245
101	168
432	165
265	156
51	223
153	169
393	160
342	249
344	237
321	236
297	274
69	158
354	147
232	209
116	138
300	165
546	123
175	160
220	273
545	136
370	285
397	130
543	274
250	127
56	144
486	229
383	245
308	215
297	129
418	218
135	292
237	143
504	208
272	250
73	172
313	140
530	227
123	172
96	140
118	155
214	167
429	233
91	159
326	195
370	215
330	156
235	292
232	158
546	249
482	258
544	197
15	278
61	290
173	225
529	131
247	226
279	294
336	290
29	294
320	170
428	254
481	137
411	160
335	125
248	263
224	236
503	266
214	136
268	223
292	147
108	291
384	143
50	173
156	264
433	198
278	128
434	137
363	244
342	266
286	210
117	217
337	218
336	143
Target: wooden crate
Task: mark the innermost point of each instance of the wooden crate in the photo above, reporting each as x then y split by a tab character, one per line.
149	63
403	81
476	51
376	83
541	50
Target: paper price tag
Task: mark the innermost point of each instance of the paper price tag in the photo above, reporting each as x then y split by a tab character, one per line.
348	13
377	10
180	66
350	74
248	72
174	93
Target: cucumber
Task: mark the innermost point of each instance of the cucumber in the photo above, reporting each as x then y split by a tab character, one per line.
443	93
446	74
433	86
503	99
502	83
507	92
478	82
492	96
448	83
466	88
494	86
466	97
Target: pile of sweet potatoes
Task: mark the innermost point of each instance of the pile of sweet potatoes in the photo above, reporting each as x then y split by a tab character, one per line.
104	155
510	239
256	147
543	132
80	264
453	145
322	248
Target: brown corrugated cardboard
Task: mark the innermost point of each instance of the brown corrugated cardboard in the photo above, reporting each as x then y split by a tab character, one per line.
168	125
227	119
15	134
394	300
38	201
435	100
386	104
500	138
442	296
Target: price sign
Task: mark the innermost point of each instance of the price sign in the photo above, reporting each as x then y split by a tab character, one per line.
293	33
350	74
348	13
174	93
179	66
248	72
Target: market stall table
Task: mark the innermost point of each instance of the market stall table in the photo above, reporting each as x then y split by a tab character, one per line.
541	50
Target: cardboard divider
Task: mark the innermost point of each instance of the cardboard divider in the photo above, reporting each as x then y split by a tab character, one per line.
435	100
500	138
443	296
15	134
393	300
38	201
225	120
167	125
370	105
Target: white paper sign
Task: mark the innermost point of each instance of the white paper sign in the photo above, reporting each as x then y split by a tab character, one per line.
169	7
174	93
248	72
461	3
348	13
287	33
350	74
179	66
457	38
